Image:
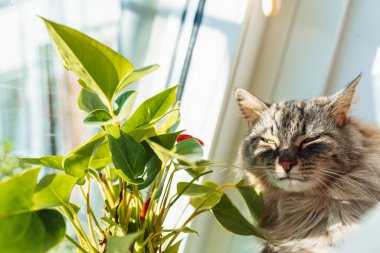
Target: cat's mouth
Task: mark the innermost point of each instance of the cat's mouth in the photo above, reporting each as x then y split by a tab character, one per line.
288	178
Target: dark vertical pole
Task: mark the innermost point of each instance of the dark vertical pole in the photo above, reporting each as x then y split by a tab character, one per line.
47	68
189	54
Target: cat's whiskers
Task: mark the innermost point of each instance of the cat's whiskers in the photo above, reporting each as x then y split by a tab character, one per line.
333	187
343	179
333	200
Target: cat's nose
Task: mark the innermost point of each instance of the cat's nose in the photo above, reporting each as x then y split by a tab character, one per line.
287	160
287	165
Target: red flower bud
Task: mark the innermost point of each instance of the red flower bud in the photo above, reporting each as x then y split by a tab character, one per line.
182	137
144	209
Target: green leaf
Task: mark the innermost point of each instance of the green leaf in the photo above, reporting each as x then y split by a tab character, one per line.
165	155
100	68
22	230
33	232
102	117
135	76
128	156
89	101
17	192
195	171
231	219
153	167
54	225
77	161
192	189
140	134
47	161
185	230
166	140
171	122
253	199
151	109
102	155
53	190
173	248
122	244
208	200
113	227
189	148
124	104
98	117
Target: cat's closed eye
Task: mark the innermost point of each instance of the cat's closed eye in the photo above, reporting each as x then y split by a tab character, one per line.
310	140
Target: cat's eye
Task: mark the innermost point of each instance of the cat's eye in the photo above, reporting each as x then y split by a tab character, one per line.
268	141
309	140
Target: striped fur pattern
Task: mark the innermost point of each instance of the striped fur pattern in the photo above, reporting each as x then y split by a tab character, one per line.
334	179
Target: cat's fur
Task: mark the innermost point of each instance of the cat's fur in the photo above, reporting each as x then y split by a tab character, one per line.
335	177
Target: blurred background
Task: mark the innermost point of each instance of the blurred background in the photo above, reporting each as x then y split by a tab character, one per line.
310	48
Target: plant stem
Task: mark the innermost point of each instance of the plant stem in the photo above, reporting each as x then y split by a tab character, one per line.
80	234
89	209
187	186
150	247
76	218
105	195
194	214
110	109
99	228
75	243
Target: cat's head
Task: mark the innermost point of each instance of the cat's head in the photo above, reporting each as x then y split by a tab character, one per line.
297	145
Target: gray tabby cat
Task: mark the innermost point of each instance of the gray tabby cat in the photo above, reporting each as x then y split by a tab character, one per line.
318	168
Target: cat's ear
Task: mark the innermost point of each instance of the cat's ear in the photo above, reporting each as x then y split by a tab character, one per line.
341	102
250	106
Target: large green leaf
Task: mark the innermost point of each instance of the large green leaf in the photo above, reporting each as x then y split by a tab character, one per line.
89	101
99	68
17	192
231	219
48	161
78	160
128	156
53	190
122	244
151	109
34	232
135	76
21	228
253	199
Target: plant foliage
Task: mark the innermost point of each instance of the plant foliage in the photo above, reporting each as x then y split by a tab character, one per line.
133	159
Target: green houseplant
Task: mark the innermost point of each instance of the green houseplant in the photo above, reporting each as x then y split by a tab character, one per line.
132	160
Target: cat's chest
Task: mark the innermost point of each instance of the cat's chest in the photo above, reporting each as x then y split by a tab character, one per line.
297	217
309	224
